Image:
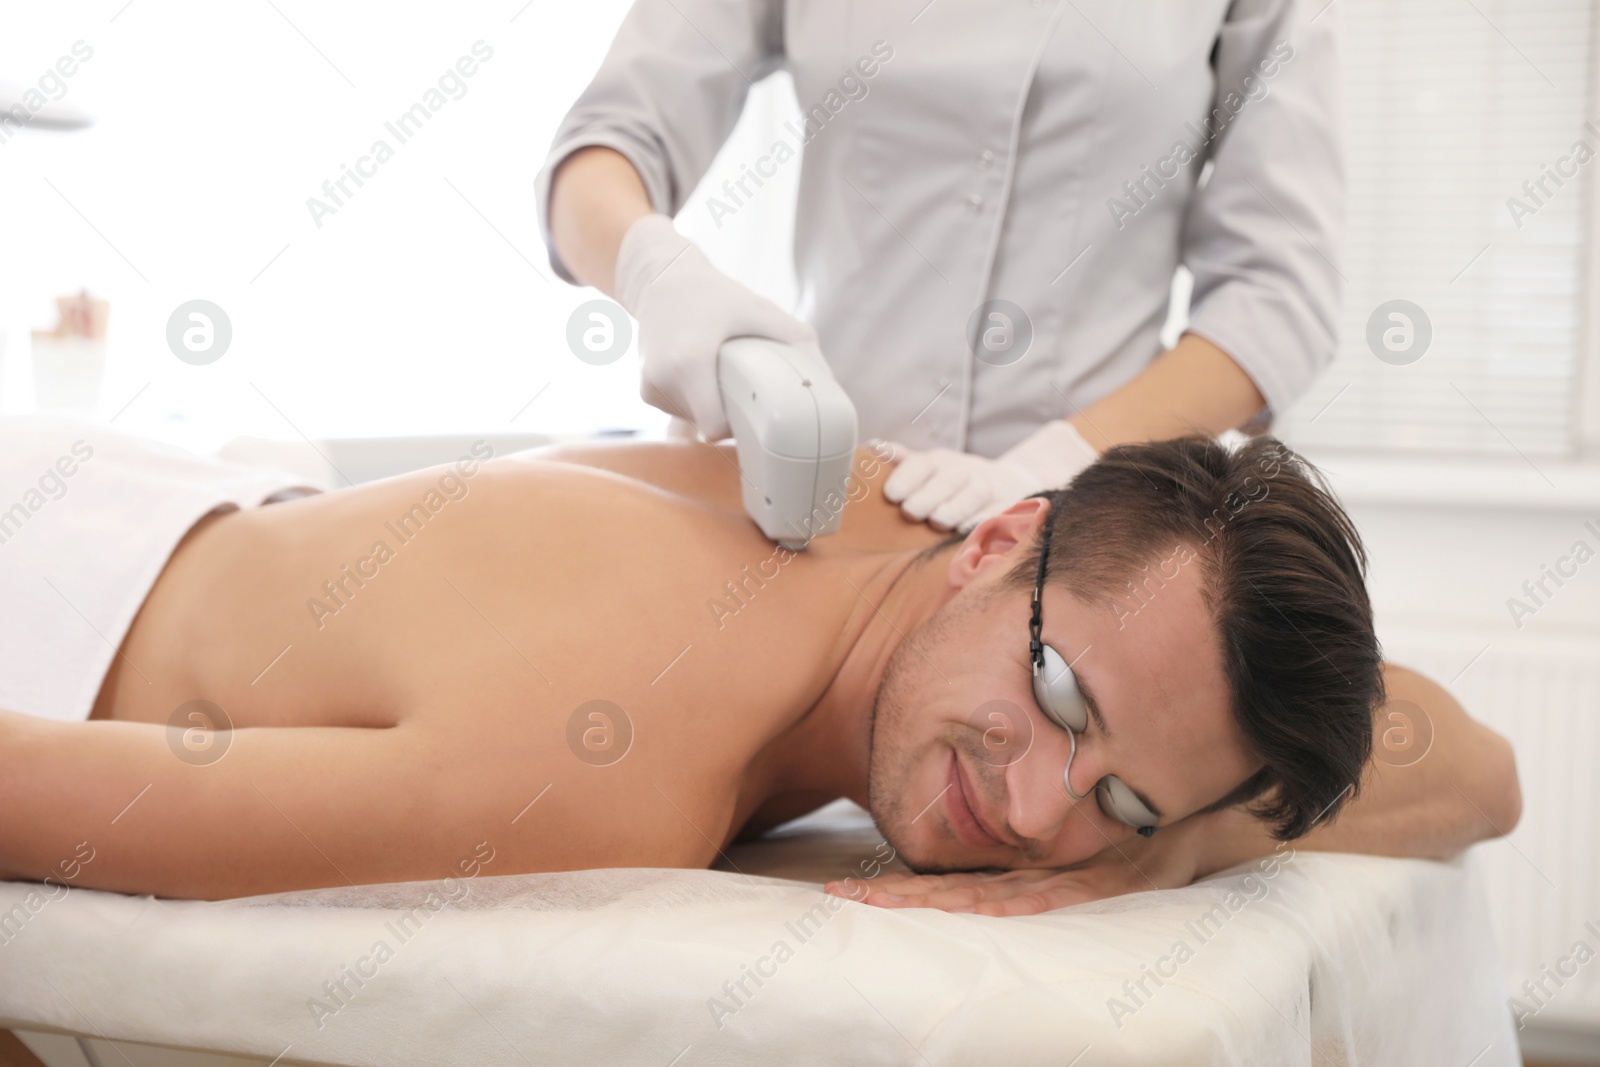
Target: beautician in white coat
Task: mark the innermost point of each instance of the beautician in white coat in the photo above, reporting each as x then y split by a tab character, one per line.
994	195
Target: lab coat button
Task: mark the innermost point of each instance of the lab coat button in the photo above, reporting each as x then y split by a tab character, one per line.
985	158
975	201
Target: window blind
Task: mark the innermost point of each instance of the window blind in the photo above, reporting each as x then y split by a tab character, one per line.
1467	198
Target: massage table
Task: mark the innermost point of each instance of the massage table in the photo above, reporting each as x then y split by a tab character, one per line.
1328	959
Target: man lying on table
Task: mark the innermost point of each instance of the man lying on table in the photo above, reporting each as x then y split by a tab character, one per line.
592	658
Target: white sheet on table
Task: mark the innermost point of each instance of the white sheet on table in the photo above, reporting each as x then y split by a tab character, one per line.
1345	959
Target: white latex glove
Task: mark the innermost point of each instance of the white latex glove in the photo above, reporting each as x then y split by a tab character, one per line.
958	490
686	308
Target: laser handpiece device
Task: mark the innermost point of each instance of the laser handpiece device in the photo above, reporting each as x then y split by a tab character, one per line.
795	431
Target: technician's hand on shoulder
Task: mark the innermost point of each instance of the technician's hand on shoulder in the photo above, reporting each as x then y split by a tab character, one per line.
686	309
958	490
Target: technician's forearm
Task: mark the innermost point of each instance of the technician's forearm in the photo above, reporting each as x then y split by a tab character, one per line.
595	196
1194	387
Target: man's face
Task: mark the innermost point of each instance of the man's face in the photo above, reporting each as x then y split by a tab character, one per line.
958	738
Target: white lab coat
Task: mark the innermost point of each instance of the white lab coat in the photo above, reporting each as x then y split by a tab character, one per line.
1024	150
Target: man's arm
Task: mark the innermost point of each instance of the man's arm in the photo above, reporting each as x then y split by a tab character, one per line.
283	808
1462	790
111	805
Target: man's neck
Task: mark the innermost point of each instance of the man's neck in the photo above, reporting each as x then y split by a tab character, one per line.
827	751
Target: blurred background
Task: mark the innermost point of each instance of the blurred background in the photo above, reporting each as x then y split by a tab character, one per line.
424	304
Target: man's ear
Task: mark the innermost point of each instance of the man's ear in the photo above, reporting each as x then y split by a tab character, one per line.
992	543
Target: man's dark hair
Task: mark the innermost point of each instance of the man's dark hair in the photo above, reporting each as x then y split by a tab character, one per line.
1283	574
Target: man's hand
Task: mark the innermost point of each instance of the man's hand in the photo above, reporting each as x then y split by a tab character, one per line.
1131	867
686	308
957	490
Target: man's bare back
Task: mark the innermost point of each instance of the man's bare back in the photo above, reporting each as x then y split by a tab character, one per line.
420	709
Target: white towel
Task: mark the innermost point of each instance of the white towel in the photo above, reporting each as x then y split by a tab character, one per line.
88	518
